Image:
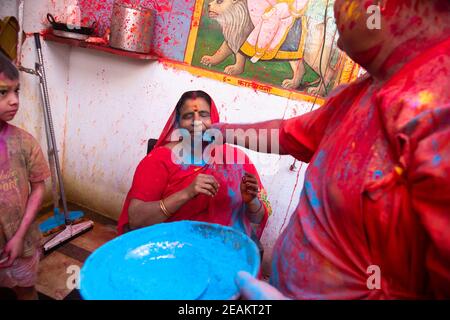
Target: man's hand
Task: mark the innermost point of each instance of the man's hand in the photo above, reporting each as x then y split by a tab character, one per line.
254	289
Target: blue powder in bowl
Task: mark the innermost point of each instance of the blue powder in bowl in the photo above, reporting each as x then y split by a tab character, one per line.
183	260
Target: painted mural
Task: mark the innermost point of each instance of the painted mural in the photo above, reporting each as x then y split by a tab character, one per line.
282	47
271	45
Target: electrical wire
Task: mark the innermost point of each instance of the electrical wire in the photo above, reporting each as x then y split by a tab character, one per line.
292	167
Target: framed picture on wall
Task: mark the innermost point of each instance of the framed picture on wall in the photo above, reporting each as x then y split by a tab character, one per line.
283	47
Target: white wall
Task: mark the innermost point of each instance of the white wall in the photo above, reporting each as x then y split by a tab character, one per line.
8	8
106	107
30	115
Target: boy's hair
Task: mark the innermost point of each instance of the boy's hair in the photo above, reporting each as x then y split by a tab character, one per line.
7	68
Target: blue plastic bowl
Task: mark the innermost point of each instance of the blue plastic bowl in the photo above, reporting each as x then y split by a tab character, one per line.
183	260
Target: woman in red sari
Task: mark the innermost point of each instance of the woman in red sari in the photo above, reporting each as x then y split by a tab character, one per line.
169	188
373	221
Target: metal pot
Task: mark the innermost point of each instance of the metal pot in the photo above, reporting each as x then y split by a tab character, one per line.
131	28
70	28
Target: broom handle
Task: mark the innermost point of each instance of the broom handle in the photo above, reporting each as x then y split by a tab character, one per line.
50	153
48	115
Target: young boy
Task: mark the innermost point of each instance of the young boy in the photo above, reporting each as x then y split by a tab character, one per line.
23	170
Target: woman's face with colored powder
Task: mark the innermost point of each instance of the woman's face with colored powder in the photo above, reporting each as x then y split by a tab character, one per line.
195	115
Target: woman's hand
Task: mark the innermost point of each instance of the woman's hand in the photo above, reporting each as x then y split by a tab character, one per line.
204	184
11	252
249	187
254	289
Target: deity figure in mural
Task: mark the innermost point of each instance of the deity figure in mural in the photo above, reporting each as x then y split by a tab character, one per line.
278	34
276	30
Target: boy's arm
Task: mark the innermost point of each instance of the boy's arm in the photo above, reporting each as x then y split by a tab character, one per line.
14	247
33	204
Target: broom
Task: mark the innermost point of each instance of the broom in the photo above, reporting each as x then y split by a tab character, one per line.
66	224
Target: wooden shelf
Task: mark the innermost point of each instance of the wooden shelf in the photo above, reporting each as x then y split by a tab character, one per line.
83	44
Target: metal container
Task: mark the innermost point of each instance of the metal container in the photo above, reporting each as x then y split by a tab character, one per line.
131	28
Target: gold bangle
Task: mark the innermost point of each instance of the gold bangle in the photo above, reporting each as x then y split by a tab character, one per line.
164	209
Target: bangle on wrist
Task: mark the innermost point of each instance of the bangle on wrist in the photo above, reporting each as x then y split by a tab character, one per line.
164	209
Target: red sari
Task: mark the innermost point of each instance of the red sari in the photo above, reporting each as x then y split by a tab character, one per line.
376	192
157	177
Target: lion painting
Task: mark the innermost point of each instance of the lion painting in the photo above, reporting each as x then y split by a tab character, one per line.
234	19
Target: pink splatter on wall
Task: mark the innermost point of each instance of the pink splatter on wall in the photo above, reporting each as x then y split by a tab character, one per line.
172	22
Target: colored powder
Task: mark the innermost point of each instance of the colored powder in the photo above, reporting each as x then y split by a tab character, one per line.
302	255
437	160
377	174
181	260
319	159
312	195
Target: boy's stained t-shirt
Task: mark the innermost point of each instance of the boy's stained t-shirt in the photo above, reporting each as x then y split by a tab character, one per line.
21	162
